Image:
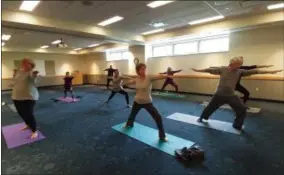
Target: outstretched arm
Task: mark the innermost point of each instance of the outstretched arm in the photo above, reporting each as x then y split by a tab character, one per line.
255	71
177	71
163	73
215	71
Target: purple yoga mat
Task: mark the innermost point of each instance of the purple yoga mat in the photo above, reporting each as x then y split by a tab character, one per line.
15	137
68	99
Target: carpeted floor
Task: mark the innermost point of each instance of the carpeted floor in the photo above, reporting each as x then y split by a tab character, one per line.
80	139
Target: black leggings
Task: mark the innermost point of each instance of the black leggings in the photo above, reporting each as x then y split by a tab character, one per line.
121	92
68	90
154	113
171	82
25	109
244	91
108	81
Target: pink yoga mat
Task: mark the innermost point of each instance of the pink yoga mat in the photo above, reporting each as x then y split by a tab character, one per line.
68	99
15	137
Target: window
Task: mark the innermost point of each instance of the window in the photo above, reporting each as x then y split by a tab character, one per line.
188	45
186	48
165	50
214	45
117	54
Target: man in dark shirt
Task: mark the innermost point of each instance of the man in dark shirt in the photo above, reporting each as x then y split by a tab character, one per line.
110	72
68	84
170	80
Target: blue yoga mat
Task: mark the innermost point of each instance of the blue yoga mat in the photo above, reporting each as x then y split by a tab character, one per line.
150	137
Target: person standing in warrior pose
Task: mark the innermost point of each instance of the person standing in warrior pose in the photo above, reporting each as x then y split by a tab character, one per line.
170	80
229	76
110	72
25	94
68	84
143	98
117	87
240	88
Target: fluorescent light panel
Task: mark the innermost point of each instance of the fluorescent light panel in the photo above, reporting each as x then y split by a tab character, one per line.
206	20
6	37
275	6
93	45
29	5
156	4
44	47
56	42
78	49
153	31
110	20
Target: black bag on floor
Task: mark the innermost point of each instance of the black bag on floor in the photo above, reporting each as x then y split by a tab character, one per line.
194	153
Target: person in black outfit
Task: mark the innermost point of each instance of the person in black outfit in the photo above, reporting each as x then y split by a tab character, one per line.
240	88
110	72
68	84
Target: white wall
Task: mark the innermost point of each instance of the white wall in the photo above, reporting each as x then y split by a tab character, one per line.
257	46
63	62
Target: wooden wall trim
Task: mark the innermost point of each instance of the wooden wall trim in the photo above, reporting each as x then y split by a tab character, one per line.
255	77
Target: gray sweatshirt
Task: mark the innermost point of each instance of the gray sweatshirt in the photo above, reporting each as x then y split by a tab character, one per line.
24	87
229	79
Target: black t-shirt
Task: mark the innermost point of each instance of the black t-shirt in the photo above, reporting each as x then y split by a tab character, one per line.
246	68
110	71
68	81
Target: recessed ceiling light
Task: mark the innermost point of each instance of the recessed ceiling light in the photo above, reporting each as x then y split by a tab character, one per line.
93	45
29	5
44	47
153	31
158	24
220	2
3	44
56	42
206	20
6	37
275	6
78	49
110	20
156	4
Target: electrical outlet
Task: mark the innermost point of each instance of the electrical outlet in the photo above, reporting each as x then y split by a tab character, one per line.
256	89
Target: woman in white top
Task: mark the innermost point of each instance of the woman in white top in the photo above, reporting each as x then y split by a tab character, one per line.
25	94
117	87
143	98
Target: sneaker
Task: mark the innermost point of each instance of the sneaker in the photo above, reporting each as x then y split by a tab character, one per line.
127	126
237	127
201	120
164	139
129	106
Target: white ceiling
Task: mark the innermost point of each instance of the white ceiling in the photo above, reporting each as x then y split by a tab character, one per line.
137	16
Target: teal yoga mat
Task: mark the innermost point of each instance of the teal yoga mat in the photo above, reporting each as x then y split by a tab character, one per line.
150	137
165	94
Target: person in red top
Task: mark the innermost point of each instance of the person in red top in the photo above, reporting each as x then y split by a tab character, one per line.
170	80
68	84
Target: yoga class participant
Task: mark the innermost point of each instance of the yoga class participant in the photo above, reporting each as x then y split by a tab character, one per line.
68	84
170	80
229	76
240	88
110	72
25	94
143	98
117	87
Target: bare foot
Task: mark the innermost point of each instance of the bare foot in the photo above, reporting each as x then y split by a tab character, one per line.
34	135
25	128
